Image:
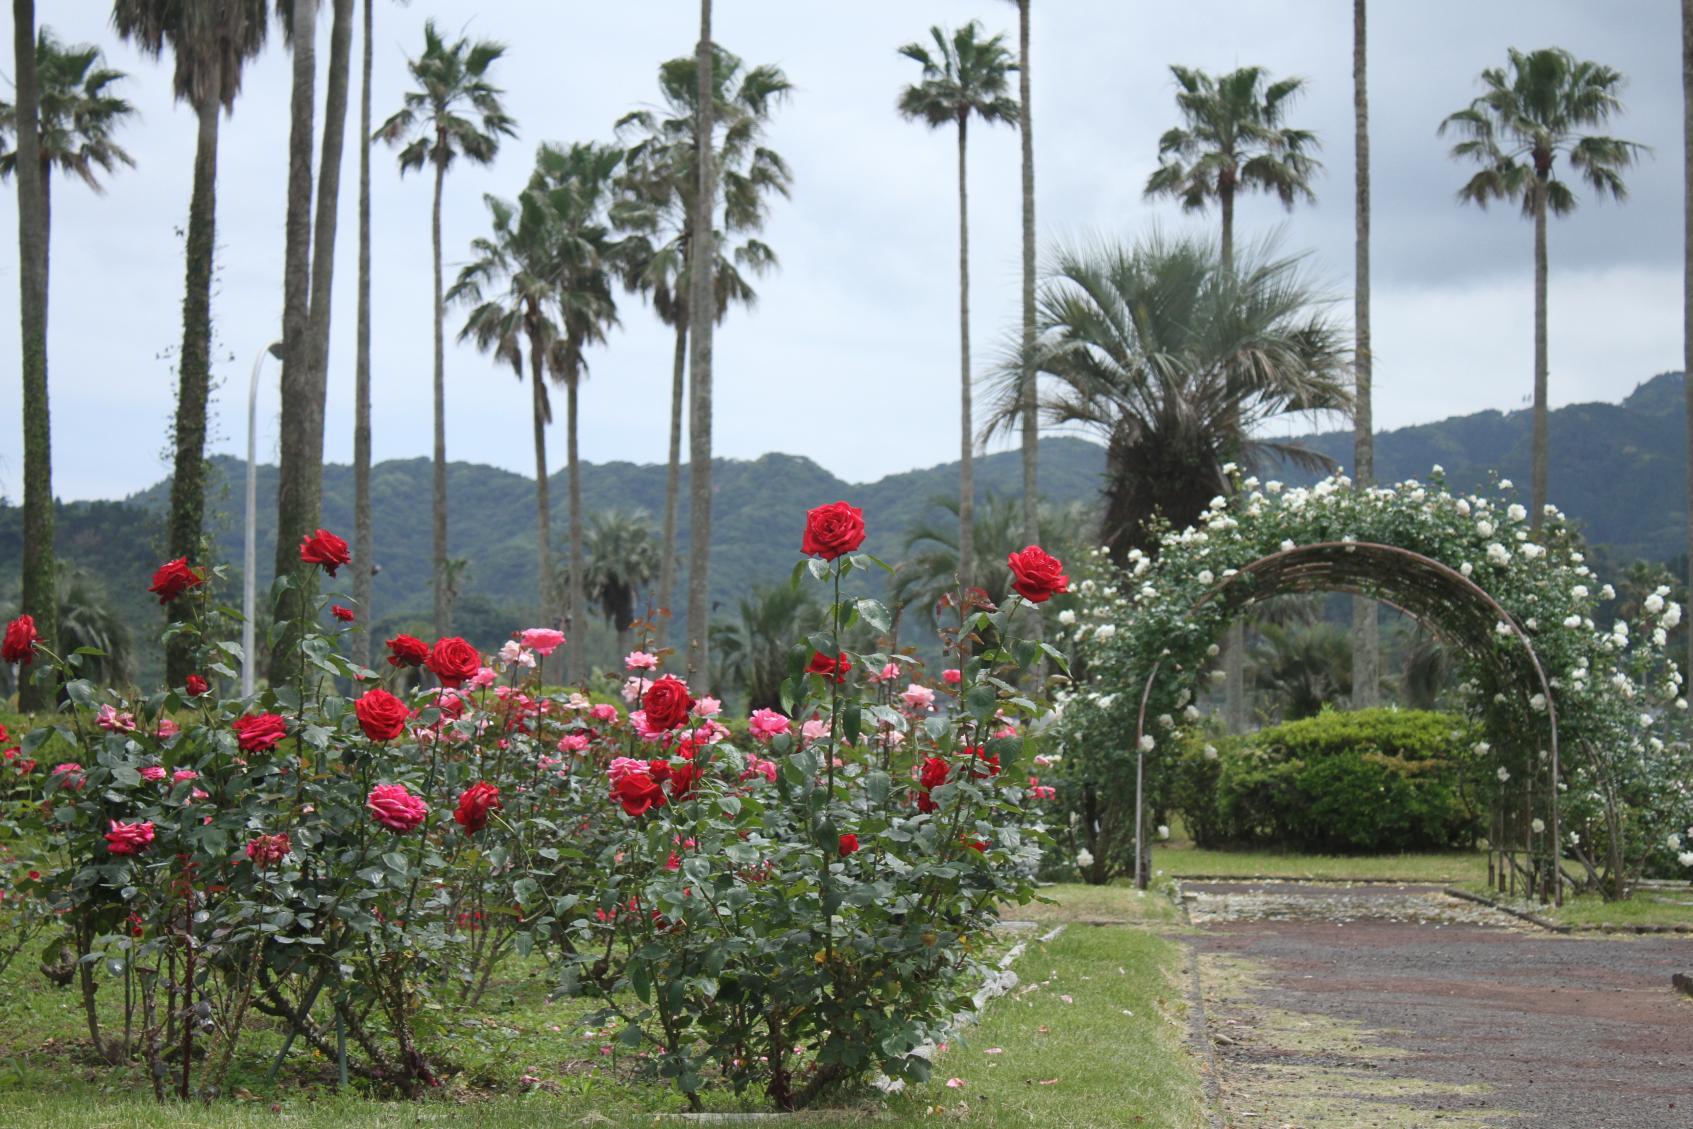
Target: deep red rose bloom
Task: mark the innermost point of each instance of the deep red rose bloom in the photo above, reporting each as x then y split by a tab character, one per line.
667	703
682	780
453	660
849	844
129	838
326	549
981	761
833	531
395	808
933	776
834	669
407	650
173	578
195	685
381	715
1037	575
637	792
474	805
345	615
258	732
19	645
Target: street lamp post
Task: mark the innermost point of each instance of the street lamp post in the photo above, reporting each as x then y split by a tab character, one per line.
250	561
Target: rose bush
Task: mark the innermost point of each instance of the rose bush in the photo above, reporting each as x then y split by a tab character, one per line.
787	915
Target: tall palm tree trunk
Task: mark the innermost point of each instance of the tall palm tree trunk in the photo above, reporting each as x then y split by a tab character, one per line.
1236	706
673	479
364	546
702	310
966	464
1225	204
1537	476
188	475
1687	273
1031	423
296	316
443	614
543	502
1366	632
39	596
576	618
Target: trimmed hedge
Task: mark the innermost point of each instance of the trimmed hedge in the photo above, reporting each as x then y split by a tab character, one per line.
1373	780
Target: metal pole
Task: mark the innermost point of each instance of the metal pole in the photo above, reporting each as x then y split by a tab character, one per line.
1140	817
250	559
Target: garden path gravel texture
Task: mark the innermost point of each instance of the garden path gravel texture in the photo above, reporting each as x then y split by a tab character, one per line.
1401	1006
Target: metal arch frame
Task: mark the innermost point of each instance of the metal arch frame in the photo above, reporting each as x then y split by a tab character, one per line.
1418	584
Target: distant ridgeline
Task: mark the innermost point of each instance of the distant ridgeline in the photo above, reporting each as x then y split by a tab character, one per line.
1618	469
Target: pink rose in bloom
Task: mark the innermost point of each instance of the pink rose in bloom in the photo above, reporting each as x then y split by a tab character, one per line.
622	766
888	673
707	707
758	766
542	640
129	838
765	724
153	773
71	775
182	775
395	808
633	687
638	719
483	678
918	699
168	729
573	743
268	850
952	677
110	719
640	660
514	653
814	730
605	711
1010	731
197	795
709	734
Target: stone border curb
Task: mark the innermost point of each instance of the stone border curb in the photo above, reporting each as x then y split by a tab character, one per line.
1306	879
1555	927
1522	915
1198	1024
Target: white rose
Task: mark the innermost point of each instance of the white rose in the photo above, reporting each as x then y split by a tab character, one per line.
1485	528
1515	512
1539	827
1505	484
1067	618
1163	831
1147	744
1685	858
1210	752
1654	603
1105	631
1504	774
1084	858
1287	546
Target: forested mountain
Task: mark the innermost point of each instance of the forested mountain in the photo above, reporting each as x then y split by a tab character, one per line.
1618	469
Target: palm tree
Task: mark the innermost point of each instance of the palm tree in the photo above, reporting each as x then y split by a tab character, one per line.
38	568
754	649
964	77
1300	667
364	535
1366	628
210	42
518	258
1174	360
74	117
1031	409
620	559
702	304
578	184
658	186
455	111
1534	110
87	618
1232	140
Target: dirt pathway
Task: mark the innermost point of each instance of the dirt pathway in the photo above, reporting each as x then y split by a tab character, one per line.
1399	1006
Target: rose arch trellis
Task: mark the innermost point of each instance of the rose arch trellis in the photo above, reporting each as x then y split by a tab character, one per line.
1541	678
1439	597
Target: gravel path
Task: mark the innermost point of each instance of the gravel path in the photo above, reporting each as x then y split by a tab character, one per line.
1400	1006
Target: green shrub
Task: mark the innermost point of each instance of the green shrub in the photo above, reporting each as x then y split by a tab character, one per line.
1374	780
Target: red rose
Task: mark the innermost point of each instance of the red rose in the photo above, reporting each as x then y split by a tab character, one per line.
637	792
475	804
979	758
849	845
407	650
195	685
667	703
834	669
453	660
832	531
258	732
395	808
952	677
173	578
1036	574
129	838
268	850
19	645
345	615
682	780
933	776
381	715
326	549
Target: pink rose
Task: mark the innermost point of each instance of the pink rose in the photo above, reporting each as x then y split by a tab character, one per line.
640	660
633	687
395	808
605	712
182	775
918	699
110	719
542	640
153	773
483	678
813	730
952	677
168	729
573	743
707	707
765	724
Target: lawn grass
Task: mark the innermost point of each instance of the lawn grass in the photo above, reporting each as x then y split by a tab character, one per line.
1117	904
1182	860
1644	907
1050	1072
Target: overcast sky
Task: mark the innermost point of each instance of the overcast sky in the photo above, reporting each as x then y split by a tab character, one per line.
860	323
